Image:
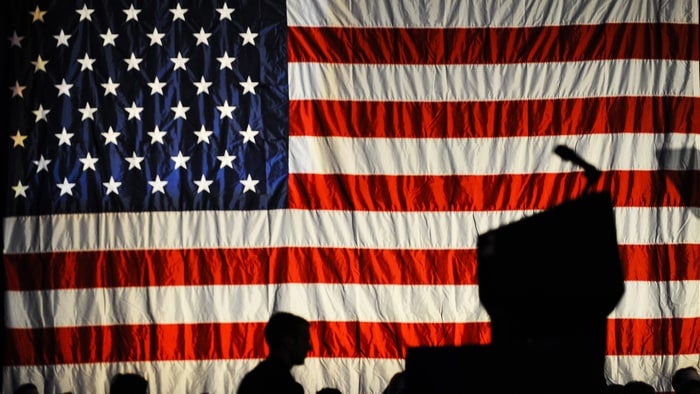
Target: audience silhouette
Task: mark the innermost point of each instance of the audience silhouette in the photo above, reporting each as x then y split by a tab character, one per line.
614	388
397	384
288	338
638	387
686	380
128	383
27	388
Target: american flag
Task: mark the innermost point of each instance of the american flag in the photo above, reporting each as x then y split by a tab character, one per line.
178	170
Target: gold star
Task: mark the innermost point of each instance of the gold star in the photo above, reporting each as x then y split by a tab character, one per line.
18	139
17	89
21	190
39	64
37	15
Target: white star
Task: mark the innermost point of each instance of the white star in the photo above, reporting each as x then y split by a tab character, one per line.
225	12
180	111
86	63
203	184
39	64
41	113
62	39
108	38
63	88
203	135
180	160
249	86
225	61
37	15
134	111
178	12
226	160
15	40
134	161
111	136
112	186
156	86
248	37
226	110
179	62
17	89
20	189
64	137
18	139
87	112
132	13
85	13
249	184
157	135
110	87
133	62
89	162
158	185
249	134
42	164
202	37
156	37
202	86
66	187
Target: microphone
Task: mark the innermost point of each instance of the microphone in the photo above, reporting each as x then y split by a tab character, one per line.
567	154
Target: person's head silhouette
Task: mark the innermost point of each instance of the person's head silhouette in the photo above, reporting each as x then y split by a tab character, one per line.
288	338
27	388
686	381
638	387
128	383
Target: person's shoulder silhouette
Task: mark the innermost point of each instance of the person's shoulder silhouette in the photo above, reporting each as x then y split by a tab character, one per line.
288	340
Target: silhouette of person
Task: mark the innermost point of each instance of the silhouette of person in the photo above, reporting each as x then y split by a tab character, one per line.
128	383
614	388
27	388
638	387
686	381
397	384
328	390
289	340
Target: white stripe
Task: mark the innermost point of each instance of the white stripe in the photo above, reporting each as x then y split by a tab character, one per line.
245	303
350	375
329	302
658	300
490	156
279	228
486	13
608	78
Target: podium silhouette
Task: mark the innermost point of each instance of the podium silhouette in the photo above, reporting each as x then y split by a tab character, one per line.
548	282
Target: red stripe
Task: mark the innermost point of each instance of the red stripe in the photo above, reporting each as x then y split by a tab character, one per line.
653	336
72	270
237	266
124	343
660	262
226	341
522	118
493	45
486	192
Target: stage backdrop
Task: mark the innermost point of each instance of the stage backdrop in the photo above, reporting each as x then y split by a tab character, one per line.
177	171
